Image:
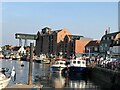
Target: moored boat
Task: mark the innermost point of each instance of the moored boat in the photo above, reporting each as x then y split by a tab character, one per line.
37	59
45	61
77	66
58	66
1	56
4	78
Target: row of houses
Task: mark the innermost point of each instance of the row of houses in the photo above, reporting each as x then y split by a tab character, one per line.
110	44
62	42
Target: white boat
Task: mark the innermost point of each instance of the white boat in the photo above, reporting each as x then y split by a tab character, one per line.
37	59
40	58
77	66
4	81
4	78
58	66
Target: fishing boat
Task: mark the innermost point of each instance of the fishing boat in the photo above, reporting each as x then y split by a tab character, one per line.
58	66
77	66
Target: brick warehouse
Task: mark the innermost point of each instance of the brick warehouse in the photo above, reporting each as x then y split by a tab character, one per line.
54	42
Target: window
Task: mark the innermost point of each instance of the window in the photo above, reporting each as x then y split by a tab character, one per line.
61	63
96	49
105	45
78	62
57	62
83	62
87	48
117	42
74	62
112	37
104	38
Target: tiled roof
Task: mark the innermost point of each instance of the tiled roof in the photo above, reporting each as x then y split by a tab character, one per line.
117	36
110	34
93	43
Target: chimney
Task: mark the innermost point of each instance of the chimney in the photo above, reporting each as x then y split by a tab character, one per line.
108	29
106	32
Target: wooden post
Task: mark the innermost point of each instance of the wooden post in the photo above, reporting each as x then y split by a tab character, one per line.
30	65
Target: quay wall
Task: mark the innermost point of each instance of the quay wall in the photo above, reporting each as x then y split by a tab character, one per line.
106	77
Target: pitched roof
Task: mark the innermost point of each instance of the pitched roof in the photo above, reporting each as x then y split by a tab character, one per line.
110	34
94	43
117	36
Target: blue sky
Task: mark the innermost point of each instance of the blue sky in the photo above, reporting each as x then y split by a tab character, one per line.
89	19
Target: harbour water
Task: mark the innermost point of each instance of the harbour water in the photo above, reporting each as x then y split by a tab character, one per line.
41	75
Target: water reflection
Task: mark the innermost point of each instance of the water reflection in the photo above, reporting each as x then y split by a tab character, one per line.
58	81
72	82
77	81
41	75
63	81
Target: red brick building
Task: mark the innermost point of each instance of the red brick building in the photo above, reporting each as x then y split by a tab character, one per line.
54	42
50	41
74	45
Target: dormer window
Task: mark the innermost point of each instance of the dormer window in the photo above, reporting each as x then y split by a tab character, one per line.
112	37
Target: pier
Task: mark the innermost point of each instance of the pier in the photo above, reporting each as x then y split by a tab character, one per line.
24	87
106	77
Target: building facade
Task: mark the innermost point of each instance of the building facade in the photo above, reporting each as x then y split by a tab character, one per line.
115	46
50	42
92	48
60	42
74	45
106	41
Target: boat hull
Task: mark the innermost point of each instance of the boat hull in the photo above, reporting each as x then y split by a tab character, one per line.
4	83
81	70
56	69
37	61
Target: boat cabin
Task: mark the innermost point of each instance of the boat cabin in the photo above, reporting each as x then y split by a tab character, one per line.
78	63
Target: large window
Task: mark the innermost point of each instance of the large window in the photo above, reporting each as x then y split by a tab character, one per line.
95	48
